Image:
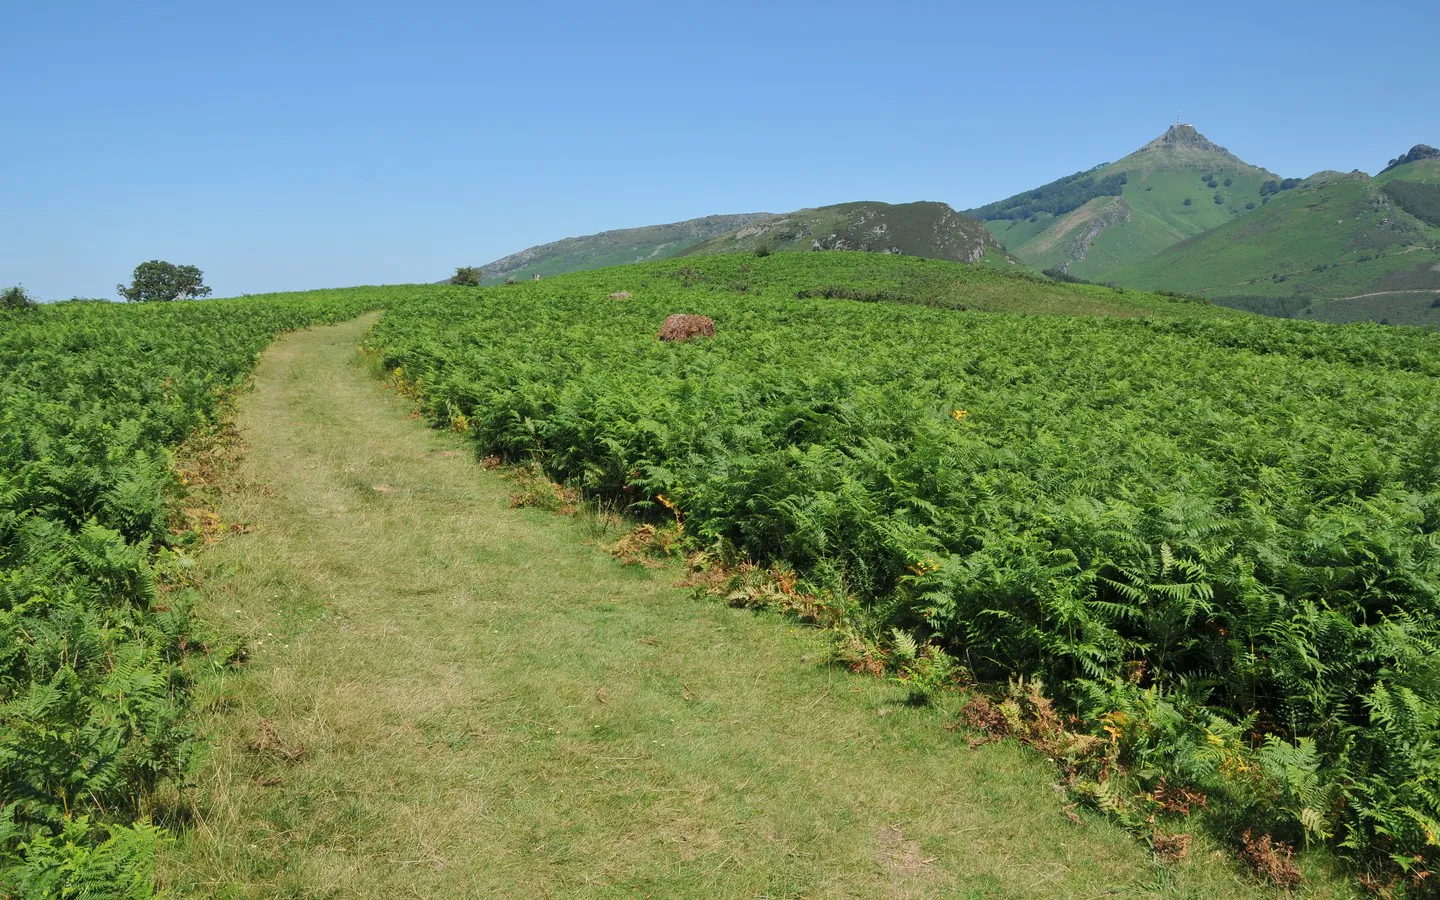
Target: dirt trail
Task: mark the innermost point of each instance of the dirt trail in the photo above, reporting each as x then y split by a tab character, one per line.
447	697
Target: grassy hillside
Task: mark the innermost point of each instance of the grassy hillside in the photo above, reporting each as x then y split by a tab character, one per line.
1341	247
894	279
1116	215
925	229
1416	153
612	248
1211	540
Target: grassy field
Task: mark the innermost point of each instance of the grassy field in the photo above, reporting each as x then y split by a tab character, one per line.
449	697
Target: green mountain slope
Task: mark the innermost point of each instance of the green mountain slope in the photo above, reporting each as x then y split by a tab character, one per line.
1118	214
1340	247
926	229
1415	185
612	248
1417	153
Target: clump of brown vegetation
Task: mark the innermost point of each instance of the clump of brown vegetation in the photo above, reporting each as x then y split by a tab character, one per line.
1272	860
536	491
683	327
648	545
268	743
1171	847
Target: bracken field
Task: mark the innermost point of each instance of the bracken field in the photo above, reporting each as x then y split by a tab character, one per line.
1208	539
1213	539
95	710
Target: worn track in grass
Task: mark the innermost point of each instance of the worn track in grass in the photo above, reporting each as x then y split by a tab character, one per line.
451	698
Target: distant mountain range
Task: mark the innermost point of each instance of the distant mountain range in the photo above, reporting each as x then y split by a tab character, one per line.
613	248
1181	213
931	230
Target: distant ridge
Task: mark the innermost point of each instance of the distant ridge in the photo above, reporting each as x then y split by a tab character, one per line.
1335	247
613	248
925	228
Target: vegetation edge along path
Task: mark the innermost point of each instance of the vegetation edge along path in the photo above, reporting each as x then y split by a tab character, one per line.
449	697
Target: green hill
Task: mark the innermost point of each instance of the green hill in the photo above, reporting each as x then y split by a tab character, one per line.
612	248
1118	214
925	229
1338	248
1417	153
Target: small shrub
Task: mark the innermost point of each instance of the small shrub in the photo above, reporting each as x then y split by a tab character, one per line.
1229	181
1188	201
468	276
1057	274
765	246
16	298
1183	297
838	292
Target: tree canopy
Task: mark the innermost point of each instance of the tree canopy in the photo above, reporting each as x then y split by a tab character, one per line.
158	281
16	298
467	275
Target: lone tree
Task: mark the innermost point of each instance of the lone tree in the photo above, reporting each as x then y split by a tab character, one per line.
15	298
158	280
467	275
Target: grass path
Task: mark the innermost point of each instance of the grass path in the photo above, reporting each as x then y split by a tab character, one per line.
450	698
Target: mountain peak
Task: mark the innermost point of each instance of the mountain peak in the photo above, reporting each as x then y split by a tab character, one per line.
1178	136
1183	147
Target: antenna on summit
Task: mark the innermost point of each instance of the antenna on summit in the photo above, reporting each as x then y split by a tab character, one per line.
1177	117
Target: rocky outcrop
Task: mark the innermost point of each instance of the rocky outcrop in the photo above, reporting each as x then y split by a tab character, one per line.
1113	213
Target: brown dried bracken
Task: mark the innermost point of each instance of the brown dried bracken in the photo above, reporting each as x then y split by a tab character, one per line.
1272	860
268	743
1171	847
682	327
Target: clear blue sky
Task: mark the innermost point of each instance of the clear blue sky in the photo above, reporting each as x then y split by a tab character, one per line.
297	145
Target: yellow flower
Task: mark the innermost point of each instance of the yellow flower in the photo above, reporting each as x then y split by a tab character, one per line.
959	414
